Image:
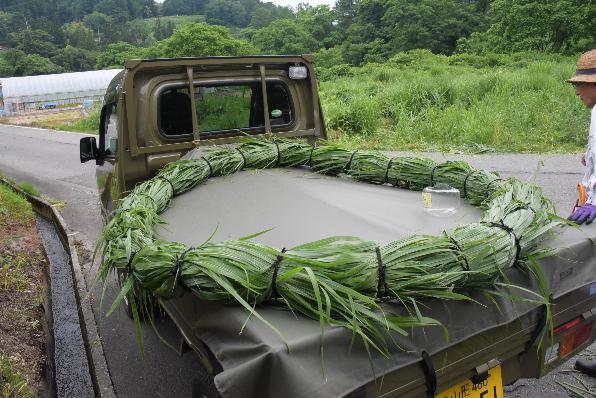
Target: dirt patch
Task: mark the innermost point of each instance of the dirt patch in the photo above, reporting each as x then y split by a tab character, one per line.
22	296
45	119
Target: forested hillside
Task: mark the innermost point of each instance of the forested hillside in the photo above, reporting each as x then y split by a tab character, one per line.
50	36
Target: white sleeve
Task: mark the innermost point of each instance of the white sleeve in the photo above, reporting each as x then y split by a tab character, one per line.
589	180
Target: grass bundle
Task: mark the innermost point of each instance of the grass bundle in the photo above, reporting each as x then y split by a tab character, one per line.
330	159
337	280
410	172
249	273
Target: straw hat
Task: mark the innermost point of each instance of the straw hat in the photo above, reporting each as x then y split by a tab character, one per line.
586	68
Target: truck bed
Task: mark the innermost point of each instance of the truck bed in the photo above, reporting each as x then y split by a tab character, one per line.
303	207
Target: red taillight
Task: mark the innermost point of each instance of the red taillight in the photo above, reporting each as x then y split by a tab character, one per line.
568	325
574	339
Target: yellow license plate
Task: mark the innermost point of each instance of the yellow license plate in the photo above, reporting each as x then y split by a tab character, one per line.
491	387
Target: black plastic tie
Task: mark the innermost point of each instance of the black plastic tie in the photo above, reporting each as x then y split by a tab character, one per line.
243	157
169	182
310	156
524	206
276	264
148	197
278	154
510	231
349	164
209	165
491	183
386	179
382	275
177	270
455	243
466	182
429	374
128	269
432	175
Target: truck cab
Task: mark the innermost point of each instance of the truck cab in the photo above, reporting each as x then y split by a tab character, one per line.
156	110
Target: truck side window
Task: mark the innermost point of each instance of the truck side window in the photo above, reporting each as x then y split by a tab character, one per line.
111	130
224	109
175	117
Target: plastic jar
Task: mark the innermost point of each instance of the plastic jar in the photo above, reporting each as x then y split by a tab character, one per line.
441	200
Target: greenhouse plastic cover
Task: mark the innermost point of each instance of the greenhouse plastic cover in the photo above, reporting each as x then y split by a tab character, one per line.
56	86
301	207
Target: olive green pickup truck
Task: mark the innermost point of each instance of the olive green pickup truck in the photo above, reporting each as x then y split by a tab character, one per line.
155	111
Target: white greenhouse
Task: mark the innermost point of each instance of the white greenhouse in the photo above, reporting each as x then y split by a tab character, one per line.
23	94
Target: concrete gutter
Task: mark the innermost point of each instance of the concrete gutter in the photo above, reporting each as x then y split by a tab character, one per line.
78	362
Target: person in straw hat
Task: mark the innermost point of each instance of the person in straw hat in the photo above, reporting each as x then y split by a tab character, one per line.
584	81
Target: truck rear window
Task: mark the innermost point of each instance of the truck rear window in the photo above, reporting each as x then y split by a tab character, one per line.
224	109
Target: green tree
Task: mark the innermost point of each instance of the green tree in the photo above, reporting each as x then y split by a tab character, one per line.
15	62
182	7
5	19
285	36
266	13
100	24
115	54
136	32
537	25
199	40
73	10
120	10
74	59
226	12
76	34
321	22
34	41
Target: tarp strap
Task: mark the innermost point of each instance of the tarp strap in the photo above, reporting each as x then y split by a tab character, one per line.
540	323
429	374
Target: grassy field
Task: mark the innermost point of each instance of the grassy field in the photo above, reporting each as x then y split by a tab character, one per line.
421	101
418	101
89	124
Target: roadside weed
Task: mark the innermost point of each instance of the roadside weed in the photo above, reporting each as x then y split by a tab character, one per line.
12	384
29	188
14	205
12	276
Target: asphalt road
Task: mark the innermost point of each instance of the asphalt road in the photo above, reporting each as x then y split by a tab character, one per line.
49	160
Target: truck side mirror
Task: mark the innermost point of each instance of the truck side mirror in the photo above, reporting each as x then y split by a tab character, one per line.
88	149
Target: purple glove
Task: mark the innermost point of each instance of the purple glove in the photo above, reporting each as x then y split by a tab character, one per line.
585	213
